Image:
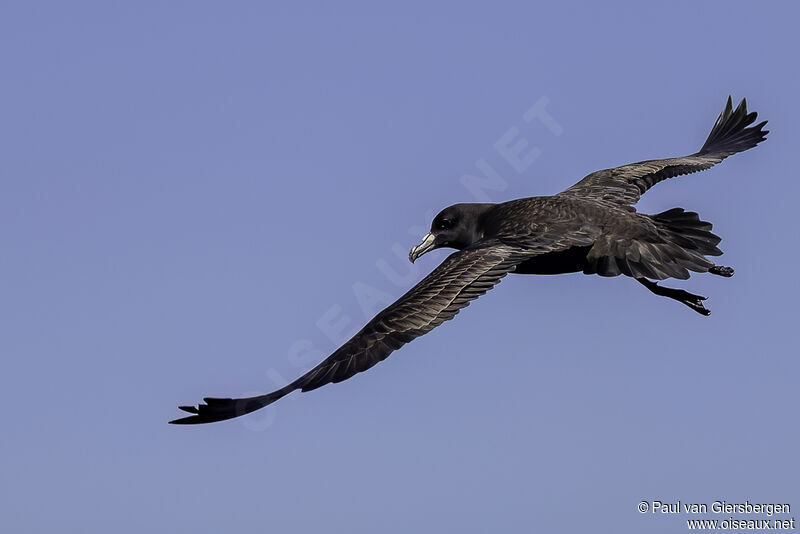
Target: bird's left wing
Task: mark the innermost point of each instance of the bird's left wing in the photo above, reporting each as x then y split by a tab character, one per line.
624	185
462	277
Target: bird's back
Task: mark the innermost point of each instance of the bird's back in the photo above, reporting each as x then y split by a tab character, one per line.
548	213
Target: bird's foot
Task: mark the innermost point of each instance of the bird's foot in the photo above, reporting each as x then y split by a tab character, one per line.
721	270
695	302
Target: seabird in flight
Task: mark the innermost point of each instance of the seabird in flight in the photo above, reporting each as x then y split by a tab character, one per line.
591	227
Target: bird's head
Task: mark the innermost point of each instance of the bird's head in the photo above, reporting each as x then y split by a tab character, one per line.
457	226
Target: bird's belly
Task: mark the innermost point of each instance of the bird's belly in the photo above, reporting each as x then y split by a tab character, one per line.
571	260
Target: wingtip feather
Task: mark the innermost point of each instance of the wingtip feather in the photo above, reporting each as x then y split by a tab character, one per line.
731	134
214	409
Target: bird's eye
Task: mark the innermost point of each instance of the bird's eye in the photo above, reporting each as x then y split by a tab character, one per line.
444	224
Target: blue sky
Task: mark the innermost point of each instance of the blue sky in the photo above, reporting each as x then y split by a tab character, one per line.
199	198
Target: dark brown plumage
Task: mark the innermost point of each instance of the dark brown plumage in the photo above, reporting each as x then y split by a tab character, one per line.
590	227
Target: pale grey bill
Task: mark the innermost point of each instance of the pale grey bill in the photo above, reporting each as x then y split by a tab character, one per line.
427	244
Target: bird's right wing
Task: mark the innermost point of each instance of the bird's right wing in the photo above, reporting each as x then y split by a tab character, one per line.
462	277
624	185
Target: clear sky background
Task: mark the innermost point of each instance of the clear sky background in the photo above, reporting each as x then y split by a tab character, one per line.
204	198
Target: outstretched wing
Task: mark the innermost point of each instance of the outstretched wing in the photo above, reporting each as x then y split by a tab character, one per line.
462	277
624	185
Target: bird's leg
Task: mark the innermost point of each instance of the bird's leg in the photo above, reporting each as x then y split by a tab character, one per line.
695	302
721	270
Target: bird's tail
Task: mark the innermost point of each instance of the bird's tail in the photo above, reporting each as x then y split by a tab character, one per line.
685	229
681	245
731	134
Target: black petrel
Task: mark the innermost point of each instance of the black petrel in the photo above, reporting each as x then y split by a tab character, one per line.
591	227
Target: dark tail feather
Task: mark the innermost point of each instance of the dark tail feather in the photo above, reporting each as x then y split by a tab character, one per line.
221	409
685	229
730	133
